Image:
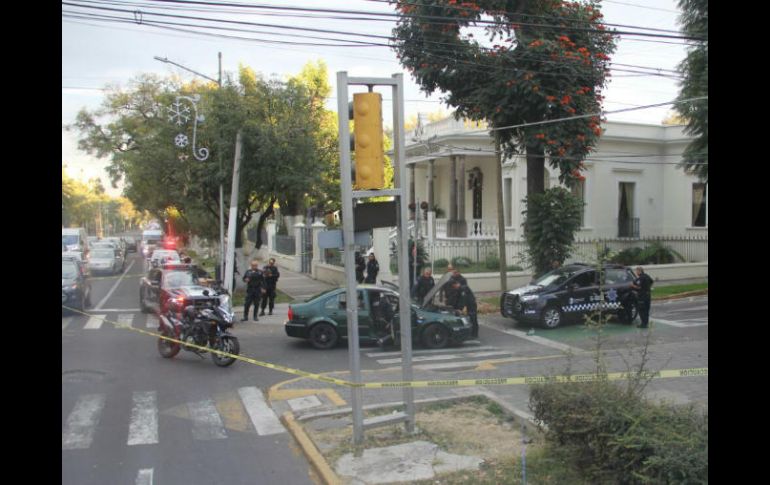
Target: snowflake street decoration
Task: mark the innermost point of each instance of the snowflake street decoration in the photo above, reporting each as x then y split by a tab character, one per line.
179	114
181	140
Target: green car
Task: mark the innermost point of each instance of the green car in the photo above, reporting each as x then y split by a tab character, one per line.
323	318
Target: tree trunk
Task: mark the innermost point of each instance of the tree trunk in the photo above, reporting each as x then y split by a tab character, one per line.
535	170
261	222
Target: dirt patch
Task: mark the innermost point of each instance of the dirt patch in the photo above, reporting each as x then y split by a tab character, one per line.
471	427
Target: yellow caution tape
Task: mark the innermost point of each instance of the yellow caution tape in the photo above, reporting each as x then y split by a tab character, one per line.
490	381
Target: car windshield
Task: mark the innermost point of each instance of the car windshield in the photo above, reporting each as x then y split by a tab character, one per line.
70	239
69	270
555	277
177	279
102	254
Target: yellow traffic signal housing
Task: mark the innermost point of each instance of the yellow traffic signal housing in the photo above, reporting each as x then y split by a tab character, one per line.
367	130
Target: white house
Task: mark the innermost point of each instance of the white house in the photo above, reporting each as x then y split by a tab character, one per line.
633	187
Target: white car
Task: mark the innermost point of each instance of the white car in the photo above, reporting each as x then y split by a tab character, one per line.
103	260
159	255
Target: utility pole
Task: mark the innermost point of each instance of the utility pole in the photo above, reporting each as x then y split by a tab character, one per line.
232	223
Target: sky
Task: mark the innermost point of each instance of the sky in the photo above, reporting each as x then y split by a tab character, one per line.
96	53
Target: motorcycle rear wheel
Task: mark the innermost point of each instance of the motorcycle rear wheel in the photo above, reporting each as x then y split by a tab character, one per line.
229	345
167	349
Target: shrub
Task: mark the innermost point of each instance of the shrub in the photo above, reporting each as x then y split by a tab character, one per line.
655	253
492	262
627	257
614	435
514	267
441	263
461	262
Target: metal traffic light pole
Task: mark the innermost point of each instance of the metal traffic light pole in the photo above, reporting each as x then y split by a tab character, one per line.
348	194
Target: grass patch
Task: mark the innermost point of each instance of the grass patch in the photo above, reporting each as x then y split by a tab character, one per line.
664	291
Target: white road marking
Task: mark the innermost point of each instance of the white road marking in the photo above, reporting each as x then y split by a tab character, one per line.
120	310
112	290
66	322
126	319
207	424
683	323
443	357
95	322
690	309
262	416
143	429
435	351
144	477
81	423
152	321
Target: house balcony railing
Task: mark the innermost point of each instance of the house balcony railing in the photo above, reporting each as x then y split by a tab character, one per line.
628	227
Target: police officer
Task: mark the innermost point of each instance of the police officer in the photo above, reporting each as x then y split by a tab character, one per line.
643	285
383	311
449	290
255	282
360	267
372	268
271	274
424	284
464	298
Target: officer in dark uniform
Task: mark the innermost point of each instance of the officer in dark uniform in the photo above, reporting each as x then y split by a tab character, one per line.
360	267
643	286
464	298
424	284
449	290
271	274
372	268
255	282
383	311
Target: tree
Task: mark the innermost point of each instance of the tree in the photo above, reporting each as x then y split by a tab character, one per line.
695	69
547	60
280	162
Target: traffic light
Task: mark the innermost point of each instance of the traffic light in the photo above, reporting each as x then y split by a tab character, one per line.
367	132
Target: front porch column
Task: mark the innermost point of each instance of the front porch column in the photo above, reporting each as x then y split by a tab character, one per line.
318	253
453	191
411	191
430	185
462	226
299	228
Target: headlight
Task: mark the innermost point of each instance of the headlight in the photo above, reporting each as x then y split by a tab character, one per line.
527	298
466	322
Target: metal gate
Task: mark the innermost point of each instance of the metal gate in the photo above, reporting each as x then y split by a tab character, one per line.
306	249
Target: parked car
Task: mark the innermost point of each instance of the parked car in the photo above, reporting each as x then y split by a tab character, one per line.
159	255
75	287
104	260
115	248
323	318
571	292
130	244
76	240
119	243
166	282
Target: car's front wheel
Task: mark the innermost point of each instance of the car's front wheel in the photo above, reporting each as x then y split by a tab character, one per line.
552	317
436	336
323	336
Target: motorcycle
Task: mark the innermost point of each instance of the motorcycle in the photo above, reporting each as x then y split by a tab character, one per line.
201	321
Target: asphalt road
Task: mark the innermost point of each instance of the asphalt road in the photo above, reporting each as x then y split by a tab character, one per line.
131	416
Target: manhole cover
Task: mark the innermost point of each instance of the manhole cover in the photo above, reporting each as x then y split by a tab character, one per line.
80	375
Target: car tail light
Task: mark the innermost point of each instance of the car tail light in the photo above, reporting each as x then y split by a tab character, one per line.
291	314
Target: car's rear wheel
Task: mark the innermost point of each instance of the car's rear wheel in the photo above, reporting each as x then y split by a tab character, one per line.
552	317
323	336
435	336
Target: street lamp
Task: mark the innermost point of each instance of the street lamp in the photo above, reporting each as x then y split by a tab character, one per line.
221	187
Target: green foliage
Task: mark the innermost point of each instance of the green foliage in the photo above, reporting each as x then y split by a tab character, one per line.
536	71
441	263
551	220
615	436
289	146
695	68
655	253
461	262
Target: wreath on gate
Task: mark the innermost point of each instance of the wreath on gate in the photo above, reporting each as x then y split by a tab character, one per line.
541	60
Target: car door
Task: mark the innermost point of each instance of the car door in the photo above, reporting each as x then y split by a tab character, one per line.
340	315
152	295
582	295
617	285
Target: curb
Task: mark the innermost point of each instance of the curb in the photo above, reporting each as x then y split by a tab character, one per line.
319	463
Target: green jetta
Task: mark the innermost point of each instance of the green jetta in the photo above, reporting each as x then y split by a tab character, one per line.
323	318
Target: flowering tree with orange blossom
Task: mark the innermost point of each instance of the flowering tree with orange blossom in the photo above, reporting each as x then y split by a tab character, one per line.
541	60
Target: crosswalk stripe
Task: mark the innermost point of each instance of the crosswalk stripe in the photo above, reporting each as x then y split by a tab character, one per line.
443	357
95	322
152	321
207	424
81	423
262	416
66	322
125	318
433	351
144	477
143	429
